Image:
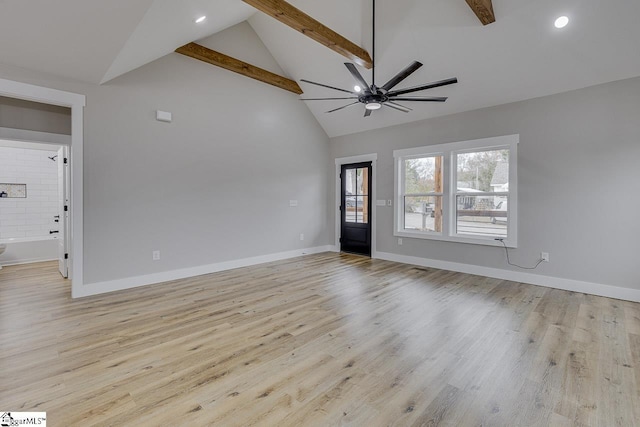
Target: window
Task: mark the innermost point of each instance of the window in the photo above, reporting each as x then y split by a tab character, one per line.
357	195
482	192
422	195
464	191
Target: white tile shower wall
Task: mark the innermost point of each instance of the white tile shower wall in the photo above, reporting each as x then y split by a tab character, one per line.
34	215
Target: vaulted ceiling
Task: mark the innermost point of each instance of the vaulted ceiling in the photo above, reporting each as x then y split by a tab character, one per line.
520	56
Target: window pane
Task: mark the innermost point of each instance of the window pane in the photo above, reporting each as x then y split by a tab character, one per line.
483	171
357	209
350	208
423	175
350	182
363	181
363	209
357	195
482	215
423	213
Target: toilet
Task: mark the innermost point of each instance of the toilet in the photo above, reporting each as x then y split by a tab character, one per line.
2	249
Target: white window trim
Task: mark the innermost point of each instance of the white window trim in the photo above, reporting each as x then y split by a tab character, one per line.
448	152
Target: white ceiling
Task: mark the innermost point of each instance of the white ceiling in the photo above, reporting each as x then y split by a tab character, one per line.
520	56
95	41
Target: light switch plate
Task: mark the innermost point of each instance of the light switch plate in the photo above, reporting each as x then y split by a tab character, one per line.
381	203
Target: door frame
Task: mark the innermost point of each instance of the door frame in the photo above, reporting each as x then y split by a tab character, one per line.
373	158
344	225
76	102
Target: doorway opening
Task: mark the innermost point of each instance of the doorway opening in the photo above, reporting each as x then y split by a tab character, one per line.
34	203
368	161
355	208
77	102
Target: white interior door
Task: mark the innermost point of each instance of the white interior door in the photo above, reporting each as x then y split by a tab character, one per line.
63	210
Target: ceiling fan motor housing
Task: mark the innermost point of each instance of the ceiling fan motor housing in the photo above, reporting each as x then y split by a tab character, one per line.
369	98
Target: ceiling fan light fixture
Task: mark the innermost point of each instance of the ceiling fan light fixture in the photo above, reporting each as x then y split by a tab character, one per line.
373	106
561	22
357	88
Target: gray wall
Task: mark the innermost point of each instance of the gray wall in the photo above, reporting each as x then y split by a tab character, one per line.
578	172
33	116
212	186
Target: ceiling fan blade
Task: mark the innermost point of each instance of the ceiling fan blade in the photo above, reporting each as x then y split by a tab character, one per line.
386	104
367	113
327	86
327	99
398	105
402	75
344	106
356	75
424	87
432	99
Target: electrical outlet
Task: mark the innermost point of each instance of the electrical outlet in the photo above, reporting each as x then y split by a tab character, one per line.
301	236
156	255
544	256
400	241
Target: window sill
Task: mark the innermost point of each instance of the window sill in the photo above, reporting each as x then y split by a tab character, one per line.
485	241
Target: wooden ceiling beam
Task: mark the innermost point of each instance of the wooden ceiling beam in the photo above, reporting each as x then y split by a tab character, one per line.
300	21
483	10
218	59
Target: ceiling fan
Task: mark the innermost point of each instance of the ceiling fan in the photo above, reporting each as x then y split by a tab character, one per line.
374	97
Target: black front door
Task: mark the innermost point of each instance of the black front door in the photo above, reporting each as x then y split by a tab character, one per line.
355	209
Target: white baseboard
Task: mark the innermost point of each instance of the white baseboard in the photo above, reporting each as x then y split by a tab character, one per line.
609	291
598	289
183	273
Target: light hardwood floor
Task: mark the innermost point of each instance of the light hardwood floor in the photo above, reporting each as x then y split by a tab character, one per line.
327	339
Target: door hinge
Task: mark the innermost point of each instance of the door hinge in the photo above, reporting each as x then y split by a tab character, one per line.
65	160
66	256
340	176
66	208
340	240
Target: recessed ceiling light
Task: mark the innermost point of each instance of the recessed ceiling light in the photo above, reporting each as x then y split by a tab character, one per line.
357	88
373	106
201	19
561	22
